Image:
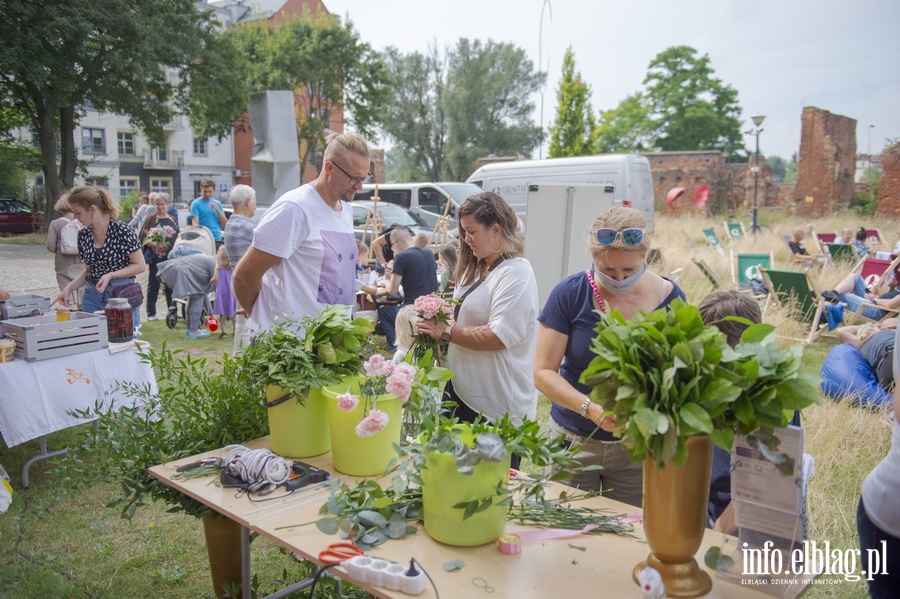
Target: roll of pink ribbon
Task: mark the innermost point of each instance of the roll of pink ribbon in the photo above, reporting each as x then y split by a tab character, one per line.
510	544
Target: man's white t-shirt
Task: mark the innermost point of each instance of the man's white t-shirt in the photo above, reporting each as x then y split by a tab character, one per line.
495	382
318	251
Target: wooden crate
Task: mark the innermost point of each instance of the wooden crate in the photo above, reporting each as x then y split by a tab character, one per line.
19	306
42	337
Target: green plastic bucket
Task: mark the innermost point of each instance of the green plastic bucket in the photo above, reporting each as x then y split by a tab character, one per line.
298	431
361	456
443	487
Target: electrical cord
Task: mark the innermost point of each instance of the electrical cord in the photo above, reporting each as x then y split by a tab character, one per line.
254	466
312	587
427	575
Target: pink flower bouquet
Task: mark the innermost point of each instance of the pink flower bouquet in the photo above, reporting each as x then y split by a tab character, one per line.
382	376
436	309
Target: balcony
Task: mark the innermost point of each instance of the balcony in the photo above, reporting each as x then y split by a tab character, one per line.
178	122
164	159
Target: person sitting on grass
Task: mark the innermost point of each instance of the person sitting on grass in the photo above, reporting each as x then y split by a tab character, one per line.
875	341
852	291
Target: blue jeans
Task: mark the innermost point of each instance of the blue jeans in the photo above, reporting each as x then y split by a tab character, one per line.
386	316
93	300
858	298
882	586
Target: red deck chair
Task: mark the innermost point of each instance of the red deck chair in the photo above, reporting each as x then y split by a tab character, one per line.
826	237
875	237
876	272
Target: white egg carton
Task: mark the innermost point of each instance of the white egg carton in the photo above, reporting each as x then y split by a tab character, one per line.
386	574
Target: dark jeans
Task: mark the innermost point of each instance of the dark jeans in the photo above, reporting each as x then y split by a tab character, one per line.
387	315
467	414
153	290
882	586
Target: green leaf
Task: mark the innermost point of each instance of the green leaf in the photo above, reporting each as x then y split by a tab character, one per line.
328	526
456	564
696	417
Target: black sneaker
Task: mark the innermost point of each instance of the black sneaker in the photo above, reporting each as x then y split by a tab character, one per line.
830	295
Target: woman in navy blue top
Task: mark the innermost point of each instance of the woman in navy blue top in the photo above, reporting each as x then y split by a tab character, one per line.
617	279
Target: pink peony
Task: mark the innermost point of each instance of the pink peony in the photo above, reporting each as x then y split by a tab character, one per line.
347	402
372	424
399	388
429	305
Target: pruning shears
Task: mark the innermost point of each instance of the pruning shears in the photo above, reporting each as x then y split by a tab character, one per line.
339	552
215	462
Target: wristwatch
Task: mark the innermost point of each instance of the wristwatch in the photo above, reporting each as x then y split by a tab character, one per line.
584	406
445	336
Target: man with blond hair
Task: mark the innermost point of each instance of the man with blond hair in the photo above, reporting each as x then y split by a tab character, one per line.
303	255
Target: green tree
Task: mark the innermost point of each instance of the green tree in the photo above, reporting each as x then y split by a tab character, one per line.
416	119
779	167
116	56
326	65
625	128
790	174
570	133
487	105
690	108
450	111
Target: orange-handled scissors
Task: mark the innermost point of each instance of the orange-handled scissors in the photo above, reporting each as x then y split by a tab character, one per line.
339	552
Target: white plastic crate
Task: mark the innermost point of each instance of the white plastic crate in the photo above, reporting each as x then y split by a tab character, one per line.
42	337
19	306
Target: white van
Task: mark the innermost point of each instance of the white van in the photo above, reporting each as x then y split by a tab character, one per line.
628	173
427	200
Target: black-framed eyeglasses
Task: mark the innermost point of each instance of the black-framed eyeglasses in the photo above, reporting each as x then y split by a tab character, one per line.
354	181
608	236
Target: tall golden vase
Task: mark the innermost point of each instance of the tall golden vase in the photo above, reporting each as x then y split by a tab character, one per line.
223	544
675	502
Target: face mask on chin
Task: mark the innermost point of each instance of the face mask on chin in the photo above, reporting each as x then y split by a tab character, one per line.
622	287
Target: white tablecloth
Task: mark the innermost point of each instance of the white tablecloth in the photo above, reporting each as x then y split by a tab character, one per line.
35	396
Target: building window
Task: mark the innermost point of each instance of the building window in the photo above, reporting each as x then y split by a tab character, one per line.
127	186
162	154
92	141
126	143
199	146
161	185
97	182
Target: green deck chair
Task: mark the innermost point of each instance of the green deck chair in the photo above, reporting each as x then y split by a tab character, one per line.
788	287
842	251
735	231
708	273
745	267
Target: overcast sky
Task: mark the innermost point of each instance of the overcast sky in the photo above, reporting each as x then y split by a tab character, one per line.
839	55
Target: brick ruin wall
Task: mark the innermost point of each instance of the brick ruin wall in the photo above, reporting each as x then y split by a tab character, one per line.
691	170
889	186
827	163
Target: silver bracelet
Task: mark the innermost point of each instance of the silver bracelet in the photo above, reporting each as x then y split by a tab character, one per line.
584	406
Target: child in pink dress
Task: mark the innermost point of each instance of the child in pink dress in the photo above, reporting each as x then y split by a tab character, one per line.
225	304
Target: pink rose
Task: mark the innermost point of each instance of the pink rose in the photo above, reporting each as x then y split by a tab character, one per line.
399	388
372	424
347	402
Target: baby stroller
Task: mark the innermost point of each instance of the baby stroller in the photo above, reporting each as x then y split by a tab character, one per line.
191	240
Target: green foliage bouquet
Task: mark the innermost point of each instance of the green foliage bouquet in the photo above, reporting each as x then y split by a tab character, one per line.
665	376
330	347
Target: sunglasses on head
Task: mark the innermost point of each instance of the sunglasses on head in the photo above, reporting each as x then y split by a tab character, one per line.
608	236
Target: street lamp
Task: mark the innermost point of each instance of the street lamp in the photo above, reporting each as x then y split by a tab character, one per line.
757	120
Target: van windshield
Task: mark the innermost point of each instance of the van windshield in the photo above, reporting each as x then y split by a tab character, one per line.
460	191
